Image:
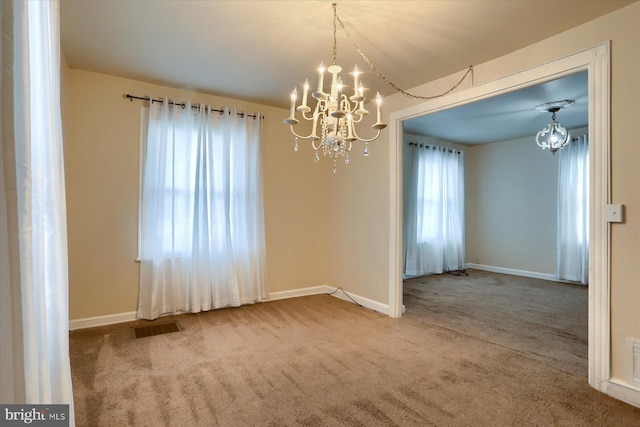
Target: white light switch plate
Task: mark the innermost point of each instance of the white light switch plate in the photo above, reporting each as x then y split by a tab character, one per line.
614	213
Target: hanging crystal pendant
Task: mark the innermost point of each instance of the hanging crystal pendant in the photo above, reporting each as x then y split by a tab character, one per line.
335	168
295	147
366	149
317	157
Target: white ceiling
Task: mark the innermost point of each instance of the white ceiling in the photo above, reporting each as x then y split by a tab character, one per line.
259	50
508	116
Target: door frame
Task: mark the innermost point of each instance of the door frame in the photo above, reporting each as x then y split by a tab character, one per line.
596	61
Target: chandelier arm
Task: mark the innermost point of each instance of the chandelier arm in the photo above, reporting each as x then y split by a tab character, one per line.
310	136
345	105
379	73
366	140
350	108
350	146
356	121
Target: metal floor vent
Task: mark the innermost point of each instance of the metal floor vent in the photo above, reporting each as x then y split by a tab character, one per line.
157	329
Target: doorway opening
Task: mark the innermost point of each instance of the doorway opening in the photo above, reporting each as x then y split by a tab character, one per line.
497	208
597	63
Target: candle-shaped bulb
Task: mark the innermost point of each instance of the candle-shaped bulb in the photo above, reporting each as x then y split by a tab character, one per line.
320	76
361	90
378	99
339	94
356	79
378	103
306	91
294	96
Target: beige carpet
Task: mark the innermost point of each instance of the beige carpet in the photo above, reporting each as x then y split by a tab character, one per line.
484	350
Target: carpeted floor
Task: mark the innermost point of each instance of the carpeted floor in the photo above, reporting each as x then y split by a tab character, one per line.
484	350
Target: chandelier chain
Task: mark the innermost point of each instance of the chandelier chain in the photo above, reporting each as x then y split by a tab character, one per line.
335	42
378	72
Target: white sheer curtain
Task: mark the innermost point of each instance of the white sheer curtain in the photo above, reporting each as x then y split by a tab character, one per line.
573	211
434	218
202	216
34	323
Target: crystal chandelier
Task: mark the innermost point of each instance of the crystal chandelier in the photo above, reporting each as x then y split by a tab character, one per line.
336	114
554	136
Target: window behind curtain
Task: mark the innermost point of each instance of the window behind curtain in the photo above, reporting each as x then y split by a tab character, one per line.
201	218
573	211
178	185
434	231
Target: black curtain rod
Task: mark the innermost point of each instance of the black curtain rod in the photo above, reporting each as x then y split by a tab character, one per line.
435	147
181	104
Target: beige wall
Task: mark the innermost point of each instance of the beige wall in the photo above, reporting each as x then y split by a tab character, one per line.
511	201
367	212
359	231
101	142
511	205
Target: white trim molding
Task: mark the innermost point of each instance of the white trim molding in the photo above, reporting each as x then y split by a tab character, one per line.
365	302
112	319
335	292
599	228
512	271
301	292
596	61
620	391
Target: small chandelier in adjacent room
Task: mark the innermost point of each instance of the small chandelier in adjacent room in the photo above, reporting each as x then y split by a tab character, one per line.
554	136
336	114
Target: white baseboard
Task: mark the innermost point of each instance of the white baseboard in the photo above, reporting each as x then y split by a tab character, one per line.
317	290
365	302
514	272
626	393
302	292
111	319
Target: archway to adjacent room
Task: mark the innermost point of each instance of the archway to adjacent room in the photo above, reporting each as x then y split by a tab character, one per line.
596	62
504	213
